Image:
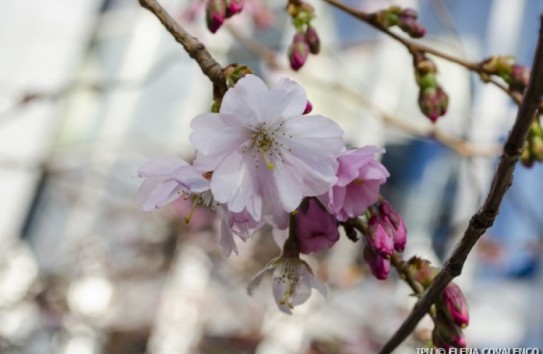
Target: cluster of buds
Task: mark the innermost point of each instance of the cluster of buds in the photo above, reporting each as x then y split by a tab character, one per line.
533	146
384	232
219	10
433	100
306	39
405	19
505	67
451	308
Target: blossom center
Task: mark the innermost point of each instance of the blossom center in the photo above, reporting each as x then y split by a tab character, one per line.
265	144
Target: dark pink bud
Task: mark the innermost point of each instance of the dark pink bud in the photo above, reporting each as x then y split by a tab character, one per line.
399	232
312	39
433	102
234	7
456	304
215	14
408	23
379	266
316	229
298	51
520	75
447	335
379	236
308	107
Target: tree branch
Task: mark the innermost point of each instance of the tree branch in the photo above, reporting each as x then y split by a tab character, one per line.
414	47
195	49
484	218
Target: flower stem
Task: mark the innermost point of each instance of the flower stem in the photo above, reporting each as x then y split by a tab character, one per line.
291	249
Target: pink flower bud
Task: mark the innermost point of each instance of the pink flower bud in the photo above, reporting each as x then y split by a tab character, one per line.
298	51
447	335
215	14
312	39
456	304
433	102
408	23
399	232
520	75
316	229
308	107
379	237
379	266
234	7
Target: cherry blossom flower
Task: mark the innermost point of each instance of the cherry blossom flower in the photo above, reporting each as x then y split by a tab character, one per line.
168	178
359	178
241	224
292	281
265	156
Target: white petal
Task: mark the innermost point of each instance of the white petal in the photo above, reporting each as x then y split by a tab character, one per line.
302	292
157	192
191	178
292	97
234	183
162	166
257	279
227	240
315	282
238	101
213	137
279	289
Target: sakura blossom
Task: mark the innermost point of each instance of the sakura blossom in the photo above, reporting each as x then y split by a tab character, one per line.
316	229
360	177
292	281
168	178
265	155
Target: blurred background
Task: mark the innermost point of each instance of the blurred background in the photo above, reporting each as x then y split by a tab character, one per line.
91	89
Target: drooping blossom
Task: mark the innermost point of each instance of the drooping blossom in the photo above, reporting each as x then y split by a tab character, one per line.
292	281
360	177
265	156
395	220
169	178
316	229
379	265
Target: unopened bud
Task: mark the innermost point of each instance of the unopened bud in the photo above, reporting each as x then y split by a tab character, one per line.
215	14
233	7
433	102
298	51
520	75
456	305
447	335
308	107
421	271
408	23
399	232
312	40
379	266
378	237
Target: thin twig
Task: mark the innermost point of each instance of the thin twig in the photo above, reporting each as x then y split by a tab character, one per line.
193	47
484	218
414	47
457	145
